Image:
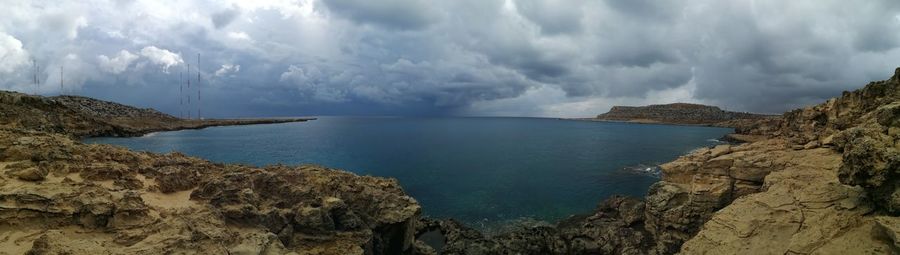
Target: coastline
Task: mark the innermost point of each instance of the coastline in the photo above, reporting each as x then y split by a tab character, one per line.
183	124
799	184
647	121
811	186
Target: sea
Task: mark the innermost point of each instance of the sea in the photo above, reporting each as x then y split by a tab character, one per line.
483	171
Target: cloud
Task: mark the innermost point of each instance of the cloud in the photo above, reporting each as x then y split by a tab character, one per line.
228	69
462	57
161	57
12	55
240	36
393	14
553	17
118	63
297	75
314	84
65	23
225	17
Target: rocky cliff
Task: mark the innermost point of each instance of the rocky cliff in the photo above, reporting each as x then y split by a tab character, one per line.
677	113
58	196
83	117
819	180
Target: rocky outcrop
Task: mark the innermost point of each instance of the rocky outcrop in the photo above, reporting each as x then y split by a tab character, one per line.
678	113
821	180
616	227
848	205
802	211
87	117
109	110
58	196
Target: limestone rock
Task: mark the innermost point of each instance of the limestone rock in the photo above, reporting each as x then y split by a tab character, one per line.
109	200
803	211
31	173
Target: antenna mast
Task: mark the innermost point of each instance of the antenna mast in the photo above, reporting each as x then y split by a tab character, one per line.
180	94
34	71
60	80
189	88
198	86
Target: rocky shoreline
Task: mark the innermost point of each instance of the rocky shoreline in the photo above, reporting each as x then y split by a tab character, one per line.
819	180
88	117
58	196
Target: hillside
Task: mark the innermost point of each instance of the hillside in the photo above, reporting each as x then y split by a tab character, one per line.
677	113
109	110
85	117
59	196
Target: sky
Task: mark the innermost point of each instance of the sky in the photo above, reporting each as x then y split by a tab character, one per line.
542	58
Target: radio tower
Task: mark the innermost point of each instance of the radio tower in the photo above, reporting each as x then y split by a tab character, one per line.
180	94
198	86
34	78
189	89
60	80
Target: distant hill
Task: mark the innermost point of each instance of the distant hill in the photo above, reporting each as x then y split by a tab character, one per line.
677	113
85	117
106	109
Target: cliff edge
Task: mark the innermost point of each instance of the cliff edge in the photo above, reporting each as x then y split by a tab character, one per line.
677	113
88	117
59	196
819	180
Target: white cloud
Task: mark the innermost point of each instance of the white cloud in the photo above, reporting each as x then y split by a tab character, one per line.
161	57
228	69
64	22
297	75
12	55
118	63
509	57
240	36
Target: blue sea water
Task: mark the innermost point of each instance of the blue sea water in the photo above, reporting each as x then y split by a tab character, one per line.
477	170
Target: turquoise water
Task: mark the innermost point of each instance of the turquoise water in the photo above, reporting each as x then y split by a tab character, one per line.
478	170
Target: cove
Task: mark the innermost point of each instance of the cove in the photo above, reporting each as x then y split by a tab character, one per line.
481	171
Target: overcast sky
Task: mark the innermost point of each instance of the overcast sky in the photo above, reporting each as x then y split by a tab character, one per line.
455	57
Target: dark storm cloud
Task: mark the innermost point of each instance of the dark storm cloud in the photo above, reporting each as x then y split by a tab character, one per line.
553	17
774	65
225	17
649	10
511	57
394	14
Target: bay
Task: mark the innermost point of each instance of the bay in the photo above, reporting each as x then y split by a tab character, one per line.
478	170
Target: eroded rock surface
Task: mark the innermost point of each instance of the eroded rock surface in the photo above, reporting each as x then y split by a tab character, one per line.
843	203
58	196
